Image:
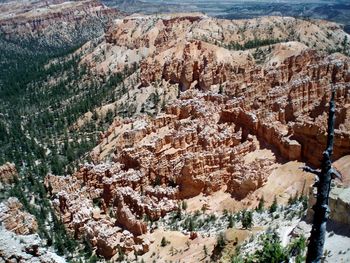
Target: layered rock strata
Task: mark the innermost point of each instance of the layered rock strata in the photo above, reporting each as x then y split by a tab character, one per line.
36	16
197	145
184	48
155	163
280	99
54	24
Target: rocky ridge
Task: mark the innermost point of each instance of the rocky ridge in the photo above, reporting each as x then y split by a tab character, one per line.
165	39
54	23
283	105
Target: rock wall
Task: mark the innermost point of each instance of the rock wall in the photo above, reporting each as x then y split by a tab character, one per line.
200	50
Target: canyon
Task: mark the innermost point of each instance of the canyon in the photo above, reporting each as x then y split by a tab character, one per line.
210	117
213	137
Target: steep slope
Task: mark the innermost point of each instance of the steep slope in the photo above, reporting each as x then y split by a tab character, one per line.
161	45
38	39
43	90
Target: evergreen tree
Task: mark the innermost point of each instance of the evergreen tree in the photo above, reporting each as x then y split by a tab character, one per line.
184	205
273	206
247	219
272	250
230	221
261	204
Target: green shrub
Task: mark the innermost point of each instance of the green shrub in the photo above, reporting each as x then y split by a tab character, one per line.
272	250
261	204
163	242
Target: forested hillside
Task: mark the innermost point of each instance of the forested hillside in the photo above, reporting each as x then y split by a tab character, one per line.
42	93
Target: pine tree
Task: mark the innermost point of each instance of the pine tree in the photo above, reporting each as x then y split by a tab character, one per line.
273	207
247	219
261	204
191	225
230	221
184	205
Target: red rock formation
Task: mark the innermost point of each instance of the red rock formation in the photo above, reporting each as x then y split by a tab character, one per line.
198	143
16	220
186	63
273	101
7	173
26	19
197	146
195	49
98	199
127	220
246	178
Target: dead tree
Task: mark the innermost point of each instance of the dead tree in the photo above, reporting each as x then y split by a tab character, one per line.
323	184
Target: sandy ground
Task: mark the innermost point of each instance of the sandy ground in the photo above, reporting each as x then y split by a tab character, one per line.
285	180
180	247
338	247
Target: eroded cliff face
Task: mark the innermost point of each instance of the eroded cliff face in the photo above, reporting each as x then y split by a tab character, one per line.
188	47
287	83
54	23
231	104
284	105
155	163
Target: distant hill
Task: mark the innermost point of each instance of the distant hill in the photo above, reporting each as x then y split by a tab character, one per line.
149	7
336	10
